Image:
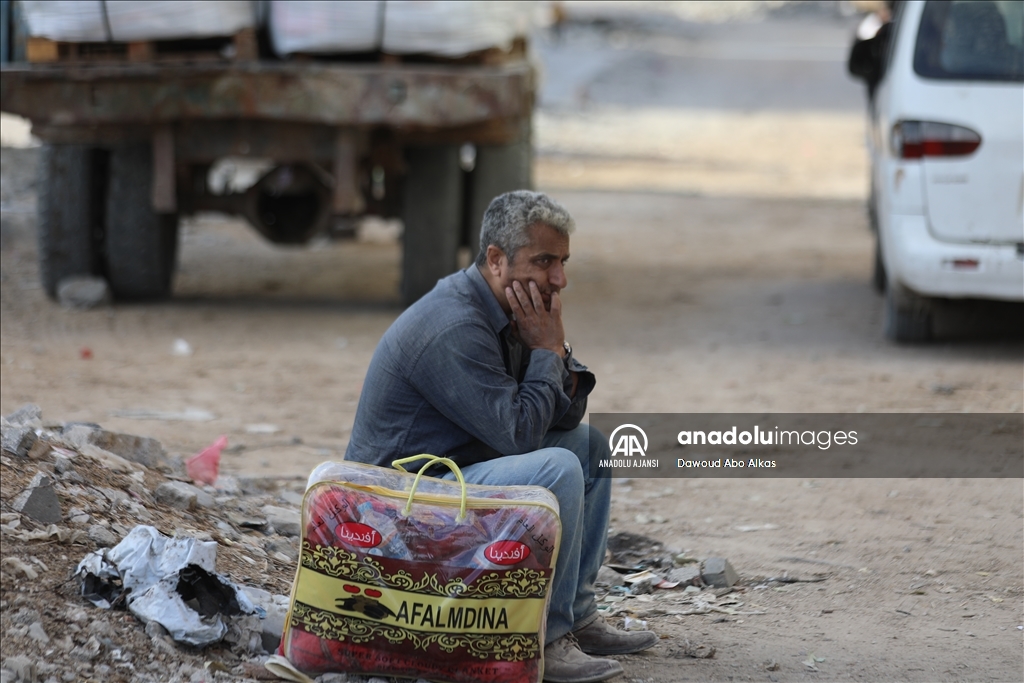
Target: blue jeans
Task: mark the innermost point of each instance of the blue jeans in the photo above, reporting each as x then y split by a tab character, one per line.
567	465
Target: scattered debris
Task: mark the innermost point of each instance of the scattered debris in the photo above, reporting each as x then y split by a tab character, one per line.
634	550
262	428
29	415
24	669
688	648
812	661
37	633
756	527
633	624
108	481
19	565
203	466
606	576
688	575
794	579
187	415
719	573
138	449
806	560
181	348
39	501
101	536
83	292
18	430
18	439
112	480
286	521
178	494
170	581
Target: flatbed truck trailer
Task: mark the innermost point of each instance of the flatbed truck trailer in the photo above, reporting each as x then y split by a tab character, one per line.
129	144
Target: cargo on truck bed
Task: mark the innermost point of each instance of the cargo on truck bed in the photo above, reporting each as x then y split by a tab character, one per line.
132	130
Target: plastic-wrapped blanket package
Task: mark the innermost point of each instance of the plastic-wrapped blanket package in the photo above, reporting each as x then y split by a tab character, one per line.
437	27
136	20
421	577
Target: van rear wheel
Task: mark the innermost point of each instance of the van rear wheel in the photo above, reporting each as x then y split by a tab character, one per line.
908	316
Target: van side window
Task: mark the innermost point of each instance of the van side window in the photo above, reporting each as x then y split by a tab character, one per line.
973	40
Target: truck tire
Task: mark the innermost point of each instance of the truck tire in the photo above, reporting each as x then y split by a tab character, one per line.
498	169
907	317
67	205
141	244
878	270
432	214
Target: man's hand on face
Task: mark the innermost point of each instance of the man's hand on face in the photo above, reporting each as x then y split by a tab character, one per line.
537	326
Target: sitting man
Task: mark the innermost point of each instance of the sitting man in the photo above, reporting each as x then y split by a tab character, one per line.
478	370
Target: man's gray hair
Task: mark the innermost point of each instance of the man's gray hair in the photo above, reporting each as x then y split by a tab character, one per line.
510	215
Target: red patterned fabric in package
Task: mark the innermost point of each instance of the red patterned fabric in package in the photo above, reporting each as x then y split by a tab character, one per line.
421	577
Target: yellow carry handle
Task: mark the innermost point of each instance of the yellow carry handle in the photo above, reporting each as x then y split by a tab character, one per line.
434	459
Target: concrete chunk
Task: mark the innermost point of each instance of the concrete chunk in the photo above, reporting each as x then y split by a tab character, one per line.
719	573
83	291
686	576
18	440
138	449
286	521
39	501
37	633
276	610
177	494
609	577
102	536
24	668
28	415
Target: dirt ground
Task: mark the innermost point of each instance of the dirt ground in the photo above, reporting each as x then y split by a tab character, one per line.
680	301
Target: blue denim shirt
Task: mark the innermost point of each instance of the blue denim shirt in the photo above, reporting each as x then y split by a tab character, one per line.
448	379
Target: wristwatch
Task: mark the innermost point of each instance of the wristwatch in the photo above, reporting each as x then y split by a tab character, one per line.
568	353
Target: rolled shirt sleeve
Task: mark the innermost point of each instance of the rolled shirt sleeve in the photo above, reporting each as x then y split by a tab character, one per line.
585	384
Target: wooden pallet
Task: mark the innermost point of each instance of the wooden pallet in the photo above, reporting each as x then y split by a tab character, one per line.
241	47
494	56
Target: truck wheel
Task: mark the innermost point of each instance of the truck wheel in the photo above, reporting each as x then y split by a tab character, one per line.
67	206
498	169
140	244
907	316
878	271
432	213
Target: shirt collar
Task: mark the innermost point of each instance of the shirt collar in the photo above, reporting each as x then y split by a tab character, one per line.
495	315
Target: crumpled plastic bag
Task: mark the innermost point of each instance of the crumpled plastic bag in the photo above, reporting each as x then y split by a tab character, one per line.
202	468
171	581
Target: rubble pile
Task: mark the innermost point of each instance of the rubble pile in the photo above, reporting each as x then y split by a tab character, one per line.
117	565
74	491
644	580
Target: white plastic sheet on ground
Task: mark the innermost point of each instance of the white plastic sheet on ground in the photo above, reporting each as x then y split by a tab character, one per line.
150	565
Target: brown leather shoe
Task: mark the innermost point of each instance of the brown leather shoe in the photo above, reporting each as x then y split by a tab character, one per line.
598	637
564	662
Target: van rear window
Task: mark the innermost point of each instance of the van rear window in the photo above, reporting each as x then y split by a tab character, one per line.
972	40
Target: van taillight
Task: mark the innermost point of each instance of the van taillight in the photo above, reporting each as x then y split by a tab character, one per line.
916	139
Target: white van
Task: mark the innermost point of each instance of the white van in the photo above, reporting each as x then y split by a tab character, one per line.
946	138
